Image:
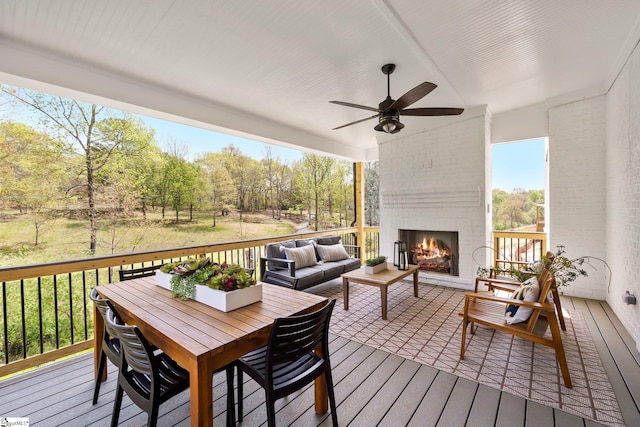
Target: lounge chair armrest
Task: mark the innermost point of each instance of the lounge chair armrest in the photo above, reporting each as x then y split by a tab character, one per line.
495	283
532	304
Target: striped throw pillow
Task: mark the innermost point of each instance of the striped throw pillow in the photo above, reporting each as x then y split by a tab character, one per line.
332	252
304	256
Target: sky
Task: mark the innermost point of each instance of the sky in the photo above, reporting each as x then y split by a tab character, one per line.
518	165
201	141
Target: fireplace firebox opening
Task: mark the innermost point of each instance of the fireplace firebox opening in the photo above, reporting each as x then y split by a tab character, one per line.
432	251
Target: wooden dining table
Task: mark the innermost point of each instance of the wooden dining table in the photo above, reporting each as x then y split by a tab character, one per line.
200	338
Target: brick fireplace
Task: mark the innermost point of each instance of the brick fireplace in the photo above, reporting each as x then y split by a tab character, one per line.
438	179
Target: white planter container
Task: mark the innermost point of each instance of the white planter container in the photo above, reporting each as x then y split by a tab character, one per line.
375	269
220	300
163	279
227	301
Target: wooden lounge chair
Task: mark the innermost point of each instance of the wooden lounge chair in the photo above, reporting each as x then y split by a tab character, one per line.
510	285
488	310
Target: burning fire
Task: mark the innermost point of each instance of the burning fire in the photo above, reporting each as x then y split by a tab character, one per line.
429	255
430	248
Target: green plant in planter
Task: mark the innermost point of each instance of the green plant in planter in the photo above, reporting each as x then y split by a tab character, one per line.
224	277
565	270
375	261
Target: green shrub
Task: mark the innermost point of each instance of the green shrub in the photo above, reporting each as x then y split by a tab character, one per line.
375	261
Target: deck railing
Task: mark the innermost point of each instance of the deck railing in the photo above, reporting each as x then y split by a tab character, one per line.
514	247
46	312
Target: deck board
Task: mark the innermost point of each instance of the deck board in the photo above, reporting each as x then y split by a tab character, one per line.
603	333
372	387
464	391
484	409
511	411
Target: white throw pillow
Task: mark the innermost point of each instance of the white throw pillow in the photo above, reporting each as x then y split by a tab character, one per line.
332	252
304	256
532	294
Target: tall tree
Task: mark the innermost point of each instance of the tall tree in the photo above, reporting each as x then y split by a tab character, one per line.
220	189
372	193
32	172
87	128
312	177
238	166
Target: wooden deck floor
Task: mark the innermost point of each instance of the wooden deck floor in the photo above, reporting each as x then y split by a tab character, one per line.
372	388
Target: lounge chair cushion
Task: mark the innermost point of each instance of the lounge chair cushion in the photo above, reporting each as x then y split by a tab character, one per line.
528	291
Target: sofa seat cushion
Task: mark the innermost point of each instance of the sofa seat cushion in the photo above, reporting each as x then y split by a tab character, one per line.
304	278
331	269
349	264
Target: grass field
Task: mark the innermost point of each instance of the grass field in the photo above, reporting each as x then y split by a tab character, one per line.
67	238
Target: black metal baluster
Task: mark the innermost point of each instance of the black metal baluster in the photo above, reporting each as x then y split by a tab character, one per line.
4	322
71	309
40	314
55	309
24	321
84	304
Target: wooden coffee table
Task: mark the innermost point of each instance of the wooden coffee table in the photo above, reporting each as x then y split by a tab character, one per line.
382	280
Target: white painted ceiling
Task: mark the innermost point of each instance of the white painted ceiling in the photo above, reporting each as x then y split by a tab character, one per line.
267	69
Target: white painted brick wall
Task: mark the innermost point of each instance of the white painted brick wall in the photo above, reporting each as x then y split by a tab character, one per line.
577	212
447	162
623	193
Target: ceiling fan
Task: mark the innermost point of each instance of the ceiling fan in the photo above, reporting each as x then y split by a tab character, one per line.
390	110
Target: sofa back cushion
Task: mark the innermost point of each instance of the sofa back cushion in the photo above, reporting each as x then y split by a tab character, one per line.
304	256
328	240
329	253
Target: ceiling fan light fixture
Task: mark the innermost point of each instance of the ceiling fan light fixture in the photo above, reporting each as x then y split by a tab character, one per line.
389	124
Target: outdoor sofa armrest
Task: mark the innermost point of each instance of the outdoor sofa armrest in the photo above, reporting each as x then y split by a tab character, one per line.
291	265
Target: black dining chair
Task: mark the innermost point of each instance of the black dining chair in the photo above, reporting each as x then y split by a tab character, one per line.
148	378
289	361
109	346
135	273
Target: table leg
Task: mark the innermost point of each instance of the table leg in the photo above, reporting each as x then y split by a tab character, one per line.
321	393
345	292
201	393
383	302
415	283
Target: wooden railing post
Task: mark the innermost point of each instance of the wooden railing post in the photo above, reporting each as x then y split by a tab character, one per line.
359	196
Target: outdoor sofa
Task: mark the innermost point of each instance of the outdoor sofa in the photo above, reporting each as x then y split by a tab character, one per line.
302	263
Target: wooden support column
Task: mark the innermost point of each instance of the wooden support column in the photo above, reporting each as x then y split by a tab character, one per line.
359	196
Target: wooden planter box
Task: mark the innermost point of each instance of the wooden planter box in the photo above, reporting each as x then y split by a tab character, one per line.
220	300
375	269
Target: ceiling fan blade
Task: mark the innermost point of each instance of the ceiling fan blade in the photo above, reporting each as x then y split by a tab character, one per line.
348	104
432	112
415	94
357	121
